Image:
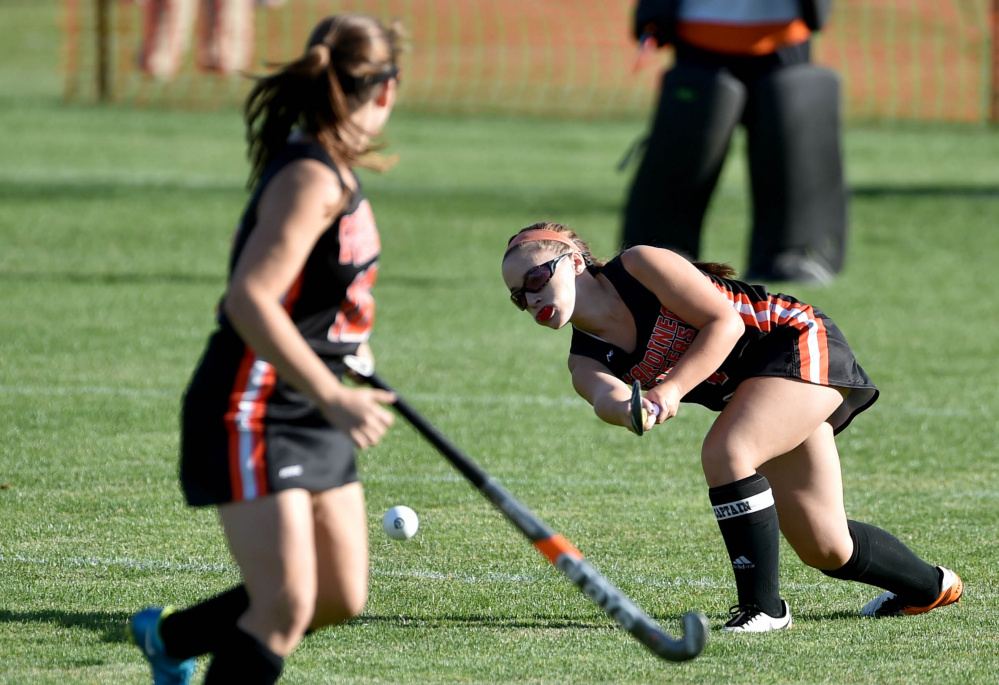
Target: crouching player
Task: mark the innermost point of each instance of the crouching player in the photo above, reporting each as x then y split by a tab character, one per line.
780	373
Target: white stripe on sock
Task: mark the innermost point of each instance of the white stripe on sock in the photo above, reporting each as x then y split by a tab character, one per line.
744	506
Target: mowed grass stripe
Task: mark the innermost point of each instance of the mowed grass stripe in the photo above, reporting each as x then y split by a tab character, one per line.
943	413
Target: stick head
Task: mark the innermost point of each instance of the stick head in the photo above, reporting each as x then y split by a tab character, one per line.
638	413
364	368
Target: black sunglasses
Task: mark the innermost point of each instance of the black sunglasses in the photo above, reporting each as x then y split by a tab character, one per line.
352	84
535	279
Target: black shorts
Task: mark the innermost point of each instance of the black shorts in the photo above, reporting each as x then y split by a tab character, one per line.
746	68
822	358
224	460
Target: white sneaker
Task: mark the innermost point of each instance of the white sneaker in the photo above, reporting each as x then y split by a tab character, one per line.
887	604
752	619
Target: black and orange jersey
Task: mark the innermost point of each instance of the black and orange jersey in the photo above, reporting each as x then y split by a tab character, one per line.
783	337
330	300
331	305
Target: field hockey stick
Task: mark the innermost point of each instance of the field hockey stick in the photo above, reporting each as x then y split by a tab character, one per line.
639	415
555	548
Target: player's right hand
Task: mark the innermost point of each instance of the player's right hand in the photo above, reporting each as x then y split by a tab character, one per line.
667	396
359	413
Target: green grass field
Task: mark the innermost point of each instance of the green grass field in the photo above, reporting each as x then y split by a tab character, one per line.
114	231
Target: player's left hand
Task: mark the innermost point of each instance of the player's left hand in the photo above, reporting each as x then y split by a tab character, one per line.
667	397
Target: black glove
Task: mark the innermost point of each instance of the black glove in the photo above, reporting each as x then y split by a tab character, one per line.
814	12
656	19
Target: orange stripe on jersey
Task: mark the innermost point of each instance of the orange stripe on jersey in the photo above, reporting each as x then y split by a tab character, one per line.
556	546
813	347
823	343
742	39
259	413
291	297
235	476
754	314
244	423
765	315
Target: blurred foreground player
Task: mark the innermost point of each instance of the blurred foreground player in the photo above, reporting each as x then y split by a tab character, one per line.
743	62
269	431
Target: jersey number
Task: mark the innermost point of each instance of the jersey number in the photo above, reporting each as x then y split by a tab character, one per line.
357	311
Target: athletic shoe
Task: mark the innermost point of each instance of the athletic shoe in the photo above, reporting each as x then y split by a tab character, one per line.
888	604
752	619
793	267
144	631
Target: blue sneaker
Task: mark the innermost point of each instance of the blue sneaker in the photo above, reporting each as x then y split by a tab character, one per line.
144	631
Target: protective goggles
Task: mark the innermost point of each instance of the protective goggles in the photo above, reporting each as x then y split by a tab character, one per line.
535	279
352	84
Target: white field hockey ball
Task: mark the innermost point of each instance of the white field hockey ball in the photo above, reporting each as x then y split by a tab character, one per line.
400	523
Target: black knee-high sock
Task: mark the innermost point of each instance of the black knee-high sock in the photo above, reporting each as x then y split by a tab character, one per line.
197	630
882	560
748	521
245	660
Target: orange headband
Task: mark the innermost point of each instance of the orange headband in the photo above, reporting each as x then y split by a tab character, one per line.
539	234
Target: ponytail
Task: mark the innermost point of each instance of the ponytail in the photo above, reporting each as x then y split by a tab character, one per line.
716	269
346	57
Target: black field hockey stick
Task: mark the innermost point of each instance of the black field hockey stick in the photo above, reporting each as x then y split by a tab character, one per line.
554	547
639	414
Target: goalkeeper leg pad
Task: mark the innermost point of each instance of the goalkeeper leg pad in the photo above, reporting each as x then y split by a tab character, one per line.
691	131
796	167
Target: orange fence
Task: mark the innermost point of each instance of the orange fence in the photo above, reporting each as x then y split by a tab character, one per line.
901	59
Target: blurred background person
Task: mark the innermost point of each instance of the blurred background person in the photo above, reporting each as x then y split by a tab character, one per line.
225	35
743	62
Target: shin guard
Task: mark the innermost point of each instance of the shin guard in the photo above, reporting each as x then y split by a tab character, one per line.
198	629
697	113
244	660
882	560
747	518
796	167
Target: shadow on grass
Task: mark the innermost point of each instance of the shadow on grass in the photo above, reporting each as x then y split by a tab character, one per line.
109	278
969	192
84	278
61	190
110	624
419	198
827	616
478	621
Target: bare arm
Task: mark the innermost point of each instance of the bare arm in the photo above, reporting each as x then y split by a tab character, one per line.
297	206
610	397
684	290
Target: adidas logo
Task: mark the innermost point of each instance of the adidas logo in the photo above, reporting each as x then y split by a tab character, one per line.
742	563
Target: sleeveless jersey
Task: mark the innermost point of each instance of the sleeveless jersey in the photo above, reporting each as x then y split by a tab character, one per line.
329	302
783	337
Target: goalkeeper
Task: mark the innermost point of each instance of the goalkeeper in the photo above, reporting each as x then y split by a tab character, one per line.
748	63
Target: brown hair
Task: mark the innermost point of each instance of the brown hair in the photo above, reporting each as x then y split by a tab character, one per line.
593	265
346	57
